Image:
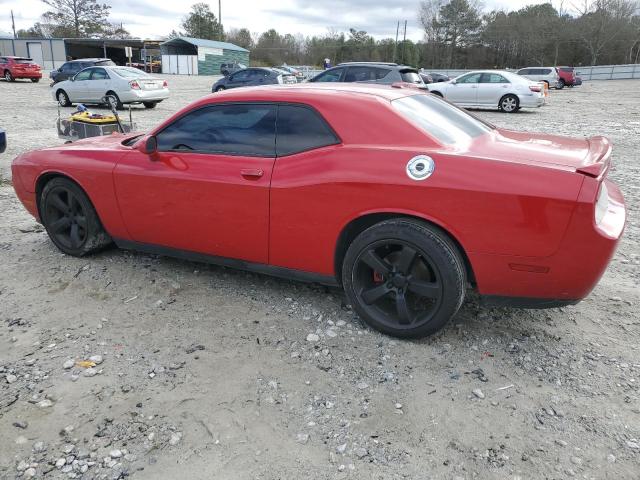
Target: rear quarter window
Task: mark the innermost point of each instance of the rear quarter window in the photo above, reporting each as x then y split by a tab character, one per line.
410	76
300	128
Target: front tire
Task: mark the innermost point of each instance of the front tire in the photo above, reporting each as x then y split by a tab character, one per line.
8	77
149	104
404	278
70	219
561	84
509	104
63	98
220	88
35	80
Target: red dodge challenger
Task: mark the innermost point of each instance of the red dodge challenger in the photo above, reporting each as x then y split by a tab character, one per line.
398	196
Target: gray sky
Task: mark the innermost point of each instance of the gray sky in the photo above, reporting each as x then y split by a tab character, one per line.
155	18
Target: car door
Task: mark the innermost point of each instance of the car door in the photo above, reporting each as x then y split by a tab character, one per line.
492	88
98	84
465	90
78	86
206	190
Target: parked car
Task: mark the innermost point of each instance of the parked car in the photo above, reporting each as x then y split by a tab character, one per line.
70	68
404	211
3	140
298	73
124	84
426	78
370	72
439	77
491	89
254	76
548	75
567	76
227	69
13	68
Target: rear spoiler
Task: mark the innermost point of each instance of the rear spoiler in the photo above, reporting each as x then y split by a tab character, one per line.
598	160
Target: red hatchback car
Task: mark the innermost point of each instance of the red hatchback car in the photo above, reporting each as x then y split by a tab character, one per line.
396	195
567	76
13	68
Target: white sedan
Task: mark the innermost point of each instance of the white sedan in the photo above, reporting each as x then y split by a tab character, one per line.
506	91
124	84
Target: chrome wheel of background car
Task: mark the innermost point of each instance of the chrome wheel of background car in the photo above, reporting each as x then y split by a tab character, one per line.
220	88
404	278
66	218
63	99
509	104
70	219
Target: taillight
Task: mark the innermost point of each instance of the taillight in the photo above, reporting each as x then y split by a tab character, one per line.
134	85
280	80
535	88
602	204
165	84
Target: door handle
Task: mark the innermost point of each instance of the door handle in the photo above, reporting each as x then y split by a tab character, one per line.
251	172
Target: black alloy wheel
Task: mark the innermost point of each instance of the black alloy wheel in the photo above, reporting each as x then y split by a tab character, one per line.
404	278
70	219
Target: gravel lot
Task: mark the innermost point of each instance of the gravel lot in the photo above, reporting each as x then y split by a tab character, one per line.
203	372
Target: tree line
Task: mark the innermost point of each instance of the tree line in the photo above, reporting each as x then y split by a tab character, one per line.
457	34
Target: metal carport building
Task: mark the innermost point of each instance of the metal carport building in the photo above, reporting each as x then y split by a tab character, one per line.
197	56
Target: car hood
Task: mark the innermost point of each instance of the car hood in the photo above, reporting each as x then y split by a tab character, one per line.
587	155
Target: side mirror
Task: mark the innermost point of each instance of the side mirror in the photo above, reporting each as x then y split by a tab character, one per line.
3	140
453	81
150	145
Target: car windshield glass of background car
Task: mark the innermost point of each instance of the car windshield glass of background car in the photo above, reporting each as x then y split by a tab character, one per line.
444	122
225	129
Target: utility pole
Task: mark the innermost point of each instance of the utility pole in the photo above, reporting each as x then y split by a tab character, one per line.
395	45
13	25
220	18
404	40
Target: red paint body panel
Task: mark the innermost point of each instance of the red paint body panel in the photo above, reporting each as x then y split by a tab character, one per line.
520	205
21	70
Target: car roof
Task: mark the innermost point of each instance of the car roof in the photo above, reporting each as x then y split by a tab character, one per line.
310	90
88	60
394	66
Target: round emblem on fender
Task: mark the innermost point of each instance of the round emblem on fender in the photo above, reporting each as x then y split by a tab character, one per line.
420	167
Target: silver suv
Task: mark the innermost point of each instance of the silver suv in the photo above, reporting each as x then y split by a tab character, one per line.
370	72
549	75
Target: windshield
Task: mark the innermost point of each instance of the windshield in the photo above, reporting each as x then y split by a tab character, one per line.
127	72
445	122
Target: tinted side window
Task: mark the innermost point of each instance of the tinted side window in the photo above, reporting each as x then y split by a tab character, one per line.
493	78
471	78
84	74
99	74
364	74
300	129
226	129
3	60
524	71
329	76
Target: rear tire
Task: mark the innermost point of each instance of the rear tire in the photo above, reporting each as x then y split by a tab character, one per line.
509	103
63	98
119	105
220	88
70	219
8	77
404	278
561	84
35	80
149	104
